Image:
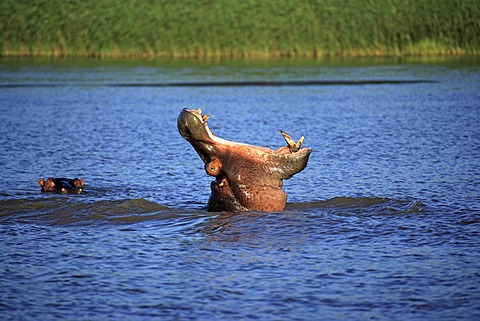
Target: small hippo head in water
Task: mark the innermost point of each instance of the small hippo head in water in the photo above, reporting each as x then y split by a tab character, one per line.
62	185
247	177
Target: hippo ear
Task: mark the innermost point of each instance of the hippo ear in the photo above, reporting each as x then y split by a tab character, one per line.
293	163
41	182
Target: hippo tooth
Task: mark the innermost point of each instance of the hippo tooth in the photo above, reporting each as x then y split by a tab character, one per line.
294	147
300	142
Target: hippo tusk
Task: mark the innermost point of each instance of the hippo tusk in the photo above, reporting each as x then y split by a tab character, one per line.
294	147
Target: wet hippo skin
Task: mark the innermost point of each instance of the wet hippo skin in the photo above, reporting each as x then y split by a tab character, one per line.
62	185
247	177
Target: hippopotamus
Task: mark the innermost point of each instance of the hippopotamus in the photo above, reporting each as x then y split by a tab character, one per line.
247	177
62	185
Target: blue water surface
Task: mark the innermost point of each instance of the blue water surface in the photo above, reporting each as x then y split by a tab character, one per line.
383	224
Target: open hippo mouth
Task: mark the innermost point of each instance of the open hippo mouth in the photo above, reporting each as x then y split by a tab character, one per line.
247	177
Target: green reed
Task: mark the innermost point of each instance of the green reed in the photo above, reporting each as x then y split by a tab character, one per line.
238	28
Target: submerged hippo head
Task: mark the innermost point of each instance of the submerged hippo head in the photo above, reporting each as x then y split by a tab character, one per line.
62	185
247	177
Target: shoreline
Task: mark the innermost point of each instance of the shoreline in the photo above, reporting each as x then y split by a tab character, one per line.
254	55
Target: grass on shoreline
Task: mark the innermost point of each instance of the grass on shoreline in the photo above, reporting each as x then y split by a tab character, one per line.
238	28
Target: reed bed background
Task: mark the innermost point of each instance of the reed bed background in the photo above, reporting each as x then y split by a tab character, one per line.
238	28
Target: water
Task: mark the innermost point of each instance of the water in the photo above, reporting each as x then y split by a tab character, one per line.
383	224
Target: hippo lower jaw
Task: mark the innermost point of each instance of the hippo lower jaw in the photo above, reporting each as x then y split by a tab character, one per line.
247	177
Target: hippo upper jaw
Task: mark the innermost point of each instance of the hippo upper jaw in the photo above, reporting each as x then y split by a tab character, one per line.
247	177
193	127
